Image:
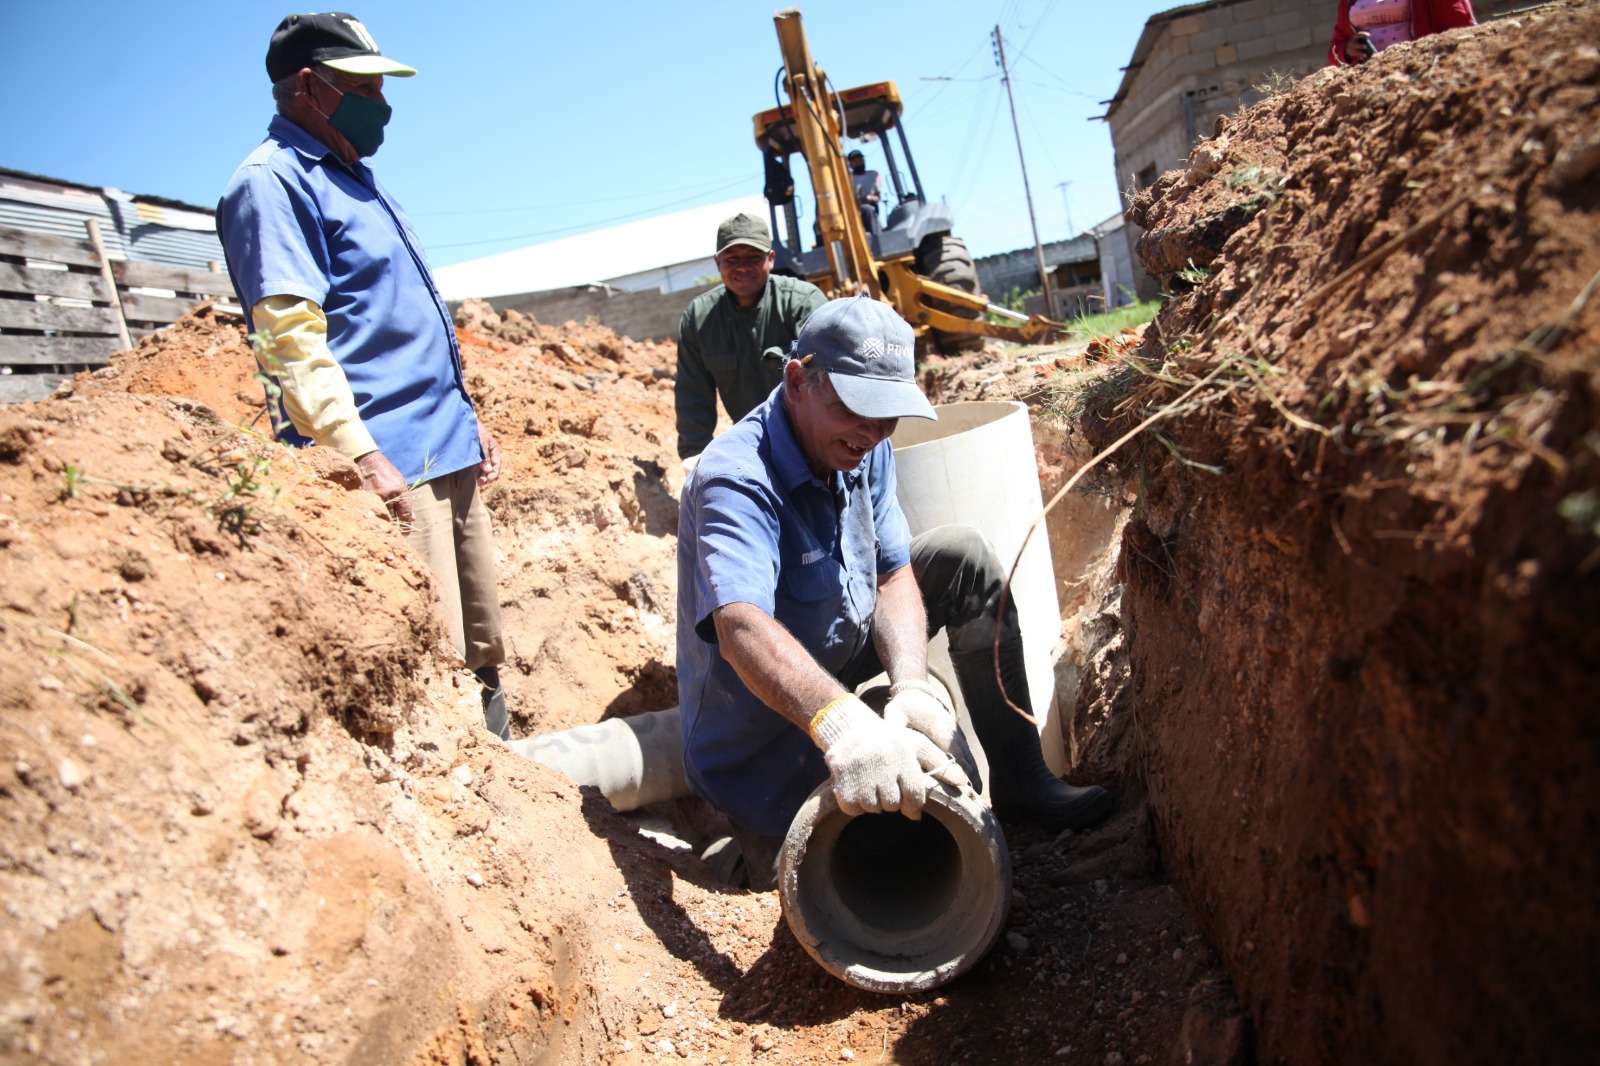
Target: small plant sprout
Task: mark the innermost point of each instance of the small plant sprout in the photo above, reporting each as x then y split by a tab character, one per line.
1194	275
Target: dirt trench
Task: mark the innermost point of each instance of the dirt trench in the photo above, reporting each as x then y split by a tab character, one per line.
222	662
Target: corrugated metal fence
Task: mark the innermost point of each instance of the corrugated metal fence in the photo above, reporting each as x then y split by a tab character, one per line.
85	272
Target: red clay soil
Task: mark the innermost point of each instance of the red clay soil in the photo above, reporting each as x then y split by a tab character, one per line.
251	815
1361	580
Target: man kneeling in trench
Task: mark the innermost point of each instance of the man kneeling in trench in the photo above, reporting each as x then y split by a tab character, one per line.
798	580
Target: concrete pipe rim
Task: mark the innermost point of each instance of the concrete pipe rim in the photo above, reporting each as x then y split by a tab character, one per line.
951	921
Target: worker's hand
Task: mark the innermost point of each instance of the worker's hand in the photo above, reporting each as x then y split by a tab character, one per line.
1359	48
913	703
379	475
489	469
876	765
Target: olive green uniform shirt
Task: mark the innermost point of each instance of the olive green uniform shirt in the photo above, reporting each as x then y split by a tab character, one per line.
720	353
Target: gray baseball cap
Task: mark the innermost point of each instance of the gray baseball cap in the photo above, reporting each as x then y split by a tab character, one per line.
869	353
743	229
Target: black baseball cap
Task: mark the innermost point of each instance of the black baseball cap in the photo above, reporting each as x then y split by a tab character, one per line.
743	229
334	38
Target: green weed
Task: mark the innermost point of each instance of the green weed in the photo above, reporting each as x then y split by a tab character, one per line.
1193	275
1110	323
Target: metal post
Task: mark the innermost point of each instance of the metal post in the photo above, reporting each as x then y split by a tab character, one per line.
1038	249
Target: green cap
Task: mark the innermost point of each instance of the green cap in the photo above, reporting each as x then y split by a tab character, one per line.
743	229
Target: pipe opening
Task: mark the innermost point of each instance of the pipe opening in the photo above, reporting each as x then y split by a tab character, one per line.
892	905
895	874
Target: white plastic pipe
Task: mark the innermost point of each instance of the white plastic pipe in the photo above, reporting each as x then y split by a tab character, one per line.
976	466
632	761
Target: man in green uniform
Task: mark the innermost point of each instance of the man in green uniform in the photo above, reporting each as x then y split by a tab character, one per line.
733	340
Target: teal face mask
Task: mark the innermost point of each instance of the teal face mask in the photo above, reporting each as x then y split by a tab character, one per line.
361	121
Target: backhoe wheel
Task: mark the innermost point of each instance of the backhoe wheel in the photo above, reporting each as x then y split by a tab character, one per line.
945	259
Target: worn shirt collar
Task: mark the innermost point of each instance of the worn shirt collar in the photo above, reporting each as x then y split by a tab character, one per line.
293	135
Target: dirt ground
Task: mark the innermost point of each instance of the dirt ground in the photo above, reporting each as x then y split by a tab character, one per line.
250	815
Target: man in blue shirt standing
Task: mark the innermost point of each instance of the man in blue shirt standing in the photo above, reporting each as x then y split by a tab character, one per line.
798	580
349	327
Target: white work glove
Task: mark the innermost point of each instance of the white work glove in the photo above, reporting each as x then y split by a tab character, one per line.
916	704
878	765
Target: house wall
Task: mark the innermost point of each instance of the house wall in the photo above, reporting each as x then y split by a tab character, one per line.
1070	262
1201	65
1207	62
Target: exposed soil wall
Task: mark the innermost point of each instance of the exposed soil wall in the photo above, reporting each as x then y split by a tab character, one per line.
1361	580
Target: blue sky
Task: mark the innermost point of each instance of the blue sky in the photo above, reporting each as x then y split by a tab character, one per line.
532	121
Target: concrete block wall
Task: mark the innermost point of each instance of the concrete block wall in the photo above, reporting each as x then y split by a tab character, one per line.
1019	269
640	315
1201	65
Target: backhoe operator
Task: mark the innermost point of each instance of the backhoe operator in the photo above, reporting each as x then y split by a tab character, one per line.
732	339
868	188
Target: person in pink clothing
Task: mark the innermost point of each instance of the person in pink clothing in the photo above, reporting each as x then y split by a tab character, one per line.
1366	27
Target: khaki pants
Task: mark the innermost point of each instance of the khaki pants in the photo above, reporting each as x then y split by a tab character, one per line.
452	532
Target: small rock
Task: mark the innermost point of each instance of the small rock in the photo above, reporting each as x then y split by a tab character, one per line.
1122	958
1063	1051
1101	887
475	880
847	1055
666	1047
1177	954
49	684
1115	1059
71	776
625	1047
462	775
670	1010
1017	942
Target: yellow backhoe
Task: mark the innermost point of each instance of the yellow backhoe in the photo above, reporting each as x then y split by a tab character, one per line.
913	262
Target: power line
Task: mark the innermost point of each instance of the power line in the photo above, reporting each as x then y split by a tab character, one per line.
702	188
1043	17
582	227
1066	86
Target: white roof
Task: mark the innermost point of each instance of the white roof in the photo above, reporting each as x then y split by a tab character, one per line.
601	255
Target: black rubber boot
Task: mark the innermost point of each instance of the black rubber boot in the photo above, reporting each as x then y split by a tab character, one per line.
1021	786
495	715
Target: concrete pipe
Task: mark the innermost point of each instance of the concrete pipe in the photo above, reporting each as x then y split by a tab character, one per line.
892	905
632	761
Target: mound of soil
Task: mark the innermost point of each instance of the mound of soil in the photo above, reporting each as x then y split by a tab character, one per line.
249	813
584	510
1361	579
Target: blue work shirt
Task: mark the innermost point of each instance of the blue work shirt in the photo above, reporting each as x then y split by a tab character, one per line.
296	220
756	526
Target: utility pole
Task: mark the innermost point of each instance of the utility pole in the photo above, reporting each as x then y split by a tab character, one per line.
1038	249
1066	206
